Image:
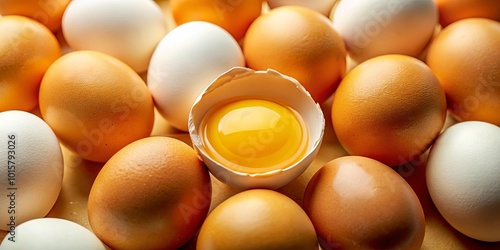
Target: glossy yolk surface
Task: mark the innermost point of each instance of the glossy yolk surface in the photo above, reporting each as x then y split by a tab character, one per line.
254	135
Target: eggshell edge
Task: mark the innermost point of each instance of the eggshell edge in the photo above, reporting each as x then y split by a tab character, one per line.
272	179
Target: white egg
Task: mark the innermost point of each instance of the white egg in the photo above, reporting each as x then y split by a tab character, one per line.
31	168
128	30
53	234
463	178
322	6
185	62
377	27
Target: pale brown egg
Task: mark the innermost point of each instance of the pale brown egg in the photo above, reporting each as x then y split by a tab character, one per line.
453	10
48	13
465	57
389	108
27	49
97	107
358	203
257	219
300	43
232	15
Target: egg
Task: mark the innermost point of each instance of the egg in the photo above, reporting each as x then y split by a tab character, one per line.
389	108
300	43
97	107
256	129
33	169
463	172
356	202
152	194
27	49
48	13
257	219
376	27
54	234
453	10
472	82
322	6
128	30
233	16
185	62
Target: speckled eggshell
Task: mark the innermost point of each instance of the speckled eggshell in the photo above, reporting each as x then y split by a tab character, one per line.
463	178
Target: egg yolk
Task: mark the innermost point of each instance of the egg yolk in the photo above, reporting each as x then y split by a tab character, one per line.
255	135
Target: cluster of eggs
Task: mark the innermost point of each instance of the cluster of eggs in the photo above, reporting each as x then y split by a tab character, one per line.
246	80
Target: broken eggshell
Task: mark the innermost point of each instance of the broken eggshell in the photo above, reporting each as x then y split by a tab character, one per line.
240	82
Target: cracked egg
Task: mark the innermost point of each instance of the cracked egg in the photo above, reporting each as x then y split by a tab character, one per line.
256	129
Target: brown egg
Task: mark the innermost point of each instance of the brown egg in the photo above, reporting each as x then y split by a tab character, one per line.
453	10
27	49
97	108
298	42
49	13
389	108
233	16
153	194
257	219
465	57
356	202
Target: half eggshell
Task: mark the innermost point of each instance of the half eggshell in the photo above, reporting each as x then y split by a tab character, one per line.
240	82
